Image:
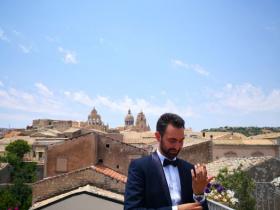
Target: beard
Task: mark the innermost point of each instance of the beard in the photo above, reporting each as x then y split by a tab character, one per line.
169	153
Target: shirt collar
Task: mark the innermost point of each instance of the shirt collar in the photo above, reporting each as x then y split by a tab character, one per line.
162	157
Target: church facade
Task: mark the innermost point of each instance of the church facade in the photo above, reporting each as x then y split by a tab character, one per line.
140	125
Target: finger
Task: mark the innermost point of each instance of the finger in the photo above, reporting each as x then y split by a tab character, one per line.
193	175
199	172
193	205
204	171
197	208
210	178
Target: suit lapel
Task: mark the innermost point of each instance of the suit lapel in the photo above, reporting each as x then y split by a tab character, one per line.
183	180
162	177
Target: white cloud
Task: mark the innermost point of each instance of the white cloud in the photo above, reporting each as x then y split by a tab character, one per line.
3	36
122	105
80	97
25	49
247	98
14	117
43	90
194	67
1	84
69	57
31	102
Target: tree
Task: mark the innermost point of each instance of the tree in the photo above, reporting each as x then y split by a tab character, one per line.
19	194
18	148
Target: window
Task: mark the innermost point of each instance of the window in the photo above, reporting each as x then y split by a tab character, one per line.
40	154
61	164
118	166
100	161
107	145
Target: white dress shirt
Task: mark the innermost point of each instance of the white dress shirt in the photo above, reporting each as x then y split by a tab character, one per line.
173	180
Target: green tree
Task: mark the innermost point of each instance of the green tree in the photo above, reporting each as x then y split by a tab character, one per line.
7	198
242	184
19	194
18	148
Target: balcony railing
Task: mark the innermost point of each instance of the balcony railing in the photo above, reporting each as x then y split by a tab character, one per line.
213	205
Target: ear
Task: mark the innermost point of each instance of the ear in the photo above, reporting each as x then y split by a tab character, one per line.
157	135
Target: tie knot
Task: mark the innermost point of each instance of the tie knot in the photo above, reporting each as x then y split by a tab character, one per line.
167	162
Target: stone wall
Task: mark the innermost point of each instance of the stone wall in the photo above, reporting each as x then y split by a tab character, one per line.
267	196
244	150
117	155
60	125
88	150
200	152
66	182
5	173
116	136
73	154
266	171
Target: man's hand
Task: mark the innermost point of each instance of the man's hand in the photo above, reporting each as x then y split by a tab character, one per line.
199	179
190	206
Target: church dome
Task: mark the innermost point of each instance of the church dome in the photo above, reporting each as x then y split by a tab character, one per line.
129	116
129	119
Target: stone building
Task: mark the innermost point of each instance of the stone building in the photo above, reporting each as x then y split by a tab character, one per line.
129	120
59	125
90	149
139	126
85	197
94	187
245	148
94	121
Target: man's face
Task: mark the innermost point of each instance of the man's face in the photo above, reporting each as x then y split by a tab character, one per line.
171	142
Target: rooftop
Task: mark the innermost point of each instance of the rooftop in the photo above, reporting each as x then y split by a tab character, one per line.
244	142
133	137
93	175
266	136
87	188
110	172
233	163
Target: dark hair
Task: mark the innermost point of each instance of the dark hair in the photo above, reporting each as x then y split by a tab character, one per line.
169	118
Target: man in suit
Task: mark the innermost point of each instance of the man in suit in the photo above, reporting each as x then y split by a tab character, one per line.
161	181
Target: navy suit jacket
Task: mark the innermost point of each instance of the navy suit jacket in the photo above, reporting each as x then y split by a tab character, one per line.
147	189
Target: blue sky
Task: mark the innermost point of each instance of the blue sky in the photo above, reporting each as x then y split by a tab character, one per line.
216	63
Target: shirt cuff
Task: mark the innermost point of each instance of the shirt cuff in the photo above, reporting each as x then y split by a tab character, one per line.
174	207
199	198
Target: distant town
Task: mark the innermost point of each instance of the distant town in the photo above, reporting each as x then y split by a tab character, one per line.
90	157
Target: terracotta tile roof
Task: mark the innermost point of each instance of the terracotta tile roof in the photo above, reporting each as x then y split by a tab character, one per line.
66	182
110	172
